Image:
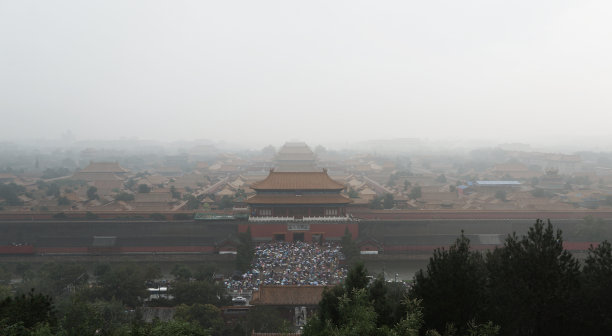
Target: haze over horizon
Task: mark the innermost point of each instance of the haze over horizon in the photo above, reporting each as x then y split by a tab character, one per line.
265	72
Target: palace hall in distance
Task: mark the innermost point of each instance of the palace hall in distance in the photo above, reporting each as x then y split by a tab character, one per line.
298	201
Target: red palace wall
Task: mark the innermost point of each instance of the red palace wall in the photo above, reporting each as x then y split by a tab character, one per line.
22	250
370	214
268	230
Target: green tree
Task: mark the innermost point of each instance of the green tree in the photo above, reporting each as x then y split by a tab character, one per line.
81	318
415	192
123	196
130	183
349	247
357	308
23	270
377	295
596	296
27	310
5	291
176	328
124	283
202	292
387	300
345	308
205	272
143	189
328	307
181	272
412	324
484	329
357	316
206	315
92	193
10	193
57	278
18	329
452	289
376	203
192	203
240	194
53	189
175	193
532	284
356	278
101	269
226	202
388	201
245	251
63	201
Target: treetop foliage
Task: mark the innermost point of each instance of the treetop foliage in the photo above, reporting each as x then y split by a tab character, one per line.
364	307
349	247
454	279
92	193
529	286
10	193
245	251
27	310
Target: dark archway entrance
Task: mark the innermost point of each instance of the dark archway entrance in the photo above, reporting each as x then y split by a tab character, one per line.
279	237
298	236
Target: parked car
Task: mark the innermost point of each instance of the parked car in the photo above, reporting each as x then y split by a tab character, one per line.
239	300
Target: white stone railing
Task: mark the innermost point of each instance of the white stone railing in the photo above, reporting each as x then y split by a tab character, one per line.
304	219
326	219
270	219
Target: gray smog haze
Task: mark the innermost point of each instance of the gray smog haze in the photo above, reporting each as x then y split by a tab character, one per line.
259	72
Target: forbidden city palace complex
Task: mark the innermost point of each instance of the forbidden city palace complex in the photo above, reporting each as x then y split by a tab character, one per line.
298	201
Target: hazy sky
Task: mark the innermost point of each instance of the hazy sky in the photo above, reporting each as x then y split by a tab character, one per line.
261	72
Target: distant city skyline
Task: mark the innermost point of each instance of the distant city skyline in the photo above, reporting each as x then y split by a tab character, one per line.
324	73
382	145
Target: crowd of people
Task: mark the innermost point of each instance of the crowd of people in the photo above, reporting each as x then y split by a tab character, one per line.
292	263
